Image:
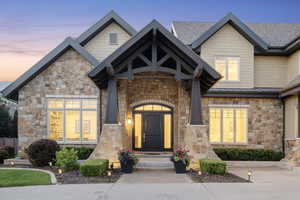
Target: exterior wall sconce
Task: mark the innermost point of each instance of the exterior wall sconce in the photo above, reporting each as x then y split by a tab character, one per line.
129	121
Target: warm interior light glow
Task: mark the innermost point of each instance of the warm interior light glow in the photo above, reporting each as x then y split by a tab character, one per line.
129	121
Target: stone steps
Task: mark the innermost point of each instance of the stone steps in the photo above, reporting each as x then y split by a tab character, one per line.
154	160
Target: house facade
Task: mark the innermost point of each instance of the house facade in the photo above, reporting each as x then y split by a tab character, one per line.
200	85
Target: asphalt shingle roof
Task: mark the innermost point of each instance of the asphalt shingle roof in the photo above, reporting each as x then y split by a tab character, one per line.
275	34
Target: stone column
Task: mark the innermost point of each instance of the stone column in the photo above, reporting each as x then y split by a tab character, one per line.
196	140
111	141
111	138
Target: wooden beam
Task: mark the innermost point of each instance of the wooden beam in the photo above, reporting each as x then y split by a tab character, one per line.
130	73
112	103
174	56
163	59
145	59
154	49
198	71
110	70
133	56
196	107
178	70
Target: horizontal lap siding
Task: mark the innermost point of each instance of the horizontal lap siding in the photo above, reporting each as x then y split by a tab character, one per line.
270	71
228	42
100	47
293	65
291	117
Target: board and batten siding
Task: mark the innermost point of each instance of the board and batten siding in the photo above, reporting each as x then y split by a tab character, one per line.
100	46
270	71
291	117
293	65
228	42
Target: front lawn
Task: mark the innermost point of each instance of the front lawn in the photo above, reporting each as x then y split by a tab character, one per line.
16	177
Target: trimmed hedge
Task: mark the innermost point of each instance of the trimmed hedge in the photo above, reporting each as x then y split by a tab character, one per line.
83	153
95	167
212	166
248	154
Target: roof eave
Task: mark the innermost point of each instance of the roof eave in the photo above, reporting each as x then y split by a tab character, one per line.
237	24
12	90
102	23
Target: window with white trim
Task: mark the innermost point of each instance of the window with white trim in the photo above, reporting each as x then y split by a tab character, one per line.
113	38
228	67
72	120
228	125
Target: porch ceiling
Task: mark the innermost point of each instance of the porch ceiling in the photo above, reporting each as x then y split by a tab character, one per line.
154	49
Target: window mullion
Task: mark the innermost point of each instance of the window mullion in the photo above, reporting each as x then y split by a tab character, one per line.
81	134
234	125
64	122
221	121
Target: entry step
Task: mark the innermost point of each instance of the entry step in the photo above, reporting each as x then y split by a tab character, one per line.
153	154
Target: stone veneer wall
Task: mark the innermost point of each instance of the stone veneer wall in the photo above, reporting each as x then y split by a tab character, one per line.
66	76
153	88
265	120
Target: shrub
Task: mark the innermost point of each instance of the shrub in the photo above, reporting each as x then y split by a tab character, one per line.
67	159
41	152
83	153
248	154
94	167
212	166
3	155
10	151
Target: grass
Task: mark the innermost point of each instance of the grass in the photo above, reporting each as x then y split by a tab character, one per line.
16	177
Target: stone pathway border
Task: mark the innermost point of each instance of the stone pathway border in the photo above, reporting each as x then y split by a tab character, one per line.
51	174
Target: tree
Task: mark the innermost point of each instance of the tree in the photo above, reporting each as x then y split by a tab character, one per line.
4	121
8	125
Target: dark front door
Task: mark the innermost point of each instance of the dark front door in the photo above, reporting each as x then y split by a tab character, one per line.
152	131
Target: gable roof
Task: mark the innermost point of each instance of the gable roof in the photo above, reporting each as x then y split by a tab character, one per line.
11	91
286	34
238	25
103	23
154	25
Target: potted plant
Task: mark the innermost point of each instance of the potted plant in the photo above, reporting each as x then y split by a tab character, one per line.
127	160
181	160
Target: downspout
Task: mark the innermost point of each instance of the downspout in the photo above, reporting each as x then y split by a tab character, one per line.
283	132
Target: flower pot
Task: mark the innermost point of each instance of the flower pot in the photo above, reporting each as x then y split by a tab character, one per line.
180	167
127	167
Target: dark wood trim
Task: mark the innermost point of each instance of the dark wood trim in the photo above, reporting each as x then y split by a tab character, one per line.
112	103
196	107
155	69
163	112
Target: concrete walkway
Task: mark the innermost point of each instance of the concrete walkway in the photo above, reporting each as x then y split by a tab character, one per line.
148	175
271	184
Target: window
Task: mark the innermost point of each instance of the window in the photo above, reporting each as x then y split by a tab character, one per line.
113	38
228	125
72	120
228	67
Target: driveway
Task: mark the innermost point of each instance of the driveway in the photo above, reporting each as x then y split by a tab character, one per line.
270	184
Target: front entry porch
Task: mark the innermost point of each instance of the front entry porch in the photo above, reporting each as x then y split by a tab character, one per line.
156	82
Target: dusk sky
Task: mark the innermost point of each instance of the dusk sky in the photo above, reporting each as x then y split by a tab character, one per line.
31	28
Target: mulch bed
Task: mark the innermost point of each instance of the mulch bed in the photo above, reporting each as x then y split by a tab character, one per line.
213	178
74	177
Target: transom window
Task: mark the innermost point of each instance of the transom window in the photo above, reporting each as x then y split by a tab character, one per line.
113	38
152	107
228	67
72	120
228	125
